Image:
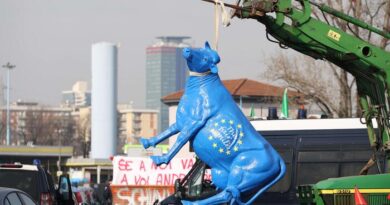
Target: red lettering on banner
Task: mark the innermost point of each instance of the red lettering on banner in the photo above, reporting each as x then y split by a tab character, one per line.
161	167
142	166
124	179
187	163
153	166
125	165
141	180
142	171
159	180
137	195
191	163
167	179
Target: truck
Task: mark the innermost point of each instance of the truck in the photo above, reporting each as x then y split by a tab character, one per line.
294	27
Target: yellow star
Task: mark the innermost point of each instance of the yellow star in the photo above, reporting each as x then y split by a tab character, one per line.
220	150
215	145
216	124
228	152
239	126
210	137
235	148
231	122
240	142
223	120
241	134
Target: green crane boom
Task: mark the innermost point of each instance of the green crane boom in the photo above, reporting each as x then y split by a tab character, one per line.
369	64
296	28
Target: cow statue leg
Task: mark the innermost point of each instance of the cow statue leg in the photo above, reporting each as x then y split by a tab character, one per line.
265	171
172	130
185	135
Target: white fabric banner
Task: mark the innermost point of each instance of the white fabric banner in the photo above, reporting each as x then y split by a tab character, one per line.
141	171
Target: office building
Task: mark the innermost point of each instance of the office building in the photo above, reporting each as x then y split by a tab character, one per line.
78	97
166	72
136	123
34	124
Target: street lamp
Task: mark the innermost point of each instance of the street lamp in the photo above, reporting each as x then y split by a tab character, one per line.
60	150
8	66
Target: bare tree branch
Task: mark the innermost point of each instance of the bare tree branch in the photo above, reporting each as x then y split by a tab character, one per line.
386	25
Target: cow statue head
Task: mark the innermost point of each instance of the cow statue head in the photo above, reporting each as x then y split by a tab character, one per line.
202	60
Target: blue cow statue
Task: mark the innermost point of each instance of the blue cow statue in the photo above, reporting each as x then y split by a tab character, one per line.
241	160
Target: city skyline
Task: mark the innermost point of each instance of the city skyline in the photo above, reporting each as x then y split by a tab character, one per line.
50	42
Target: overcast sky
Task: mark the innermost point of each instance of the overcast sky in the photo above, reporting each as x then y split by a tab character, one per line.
50	42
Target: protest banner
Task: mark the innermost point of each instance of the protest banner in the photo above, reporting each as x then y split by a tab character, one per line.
141	171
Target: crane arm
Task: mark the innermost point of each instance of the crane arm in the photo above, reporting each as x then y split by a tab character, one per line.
296	28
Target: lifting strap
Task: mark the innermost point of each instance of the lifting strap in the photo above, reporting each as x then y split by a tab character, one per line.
225	19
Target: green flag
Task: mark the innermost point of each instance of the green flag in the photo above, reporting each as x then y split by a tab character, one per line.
284	114
252	114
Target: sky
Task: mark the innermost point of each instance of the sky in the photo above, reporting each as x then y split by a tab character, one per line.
50	42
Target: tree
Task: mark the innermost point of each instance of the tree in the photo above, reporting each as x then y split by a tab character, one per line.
34	125
315	86
46	127
83	135
3	127
303	73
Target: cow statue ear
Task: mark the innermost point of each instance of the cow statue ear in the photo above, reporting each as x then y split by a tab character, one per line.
214	69
207	45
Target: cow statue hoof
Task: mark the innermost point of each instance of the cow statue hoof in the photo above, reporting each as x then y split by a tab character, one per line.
145	143
158	160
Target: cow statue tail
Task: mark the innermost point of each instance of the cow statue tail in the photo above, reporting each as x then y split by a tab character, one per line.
265	188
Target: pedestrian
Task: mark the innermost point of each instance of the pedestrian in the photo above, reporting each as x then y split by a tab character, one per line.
107	195
95	195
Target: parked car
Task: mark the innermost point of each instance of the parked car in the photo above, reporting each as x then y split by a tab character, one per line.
9	196
37	182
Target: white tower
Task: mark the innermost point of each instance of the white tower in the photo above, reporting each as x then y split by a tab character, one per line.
104	100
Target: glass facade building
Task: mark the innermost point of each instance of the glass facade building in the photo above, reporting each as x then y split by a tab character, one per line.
166	72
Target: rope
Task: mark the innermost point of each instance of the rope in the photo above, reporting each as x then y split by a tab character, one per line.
192	73
225	19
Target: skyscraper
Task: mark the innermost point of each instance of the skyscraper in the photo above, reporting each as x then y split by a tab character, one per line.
166	72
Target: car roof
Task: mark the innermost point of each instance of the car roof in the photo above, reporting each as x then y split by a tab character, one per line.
5	190
27	167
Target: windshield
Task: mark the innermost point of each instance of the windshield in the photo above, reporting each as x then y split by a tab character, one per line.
195	183
20	179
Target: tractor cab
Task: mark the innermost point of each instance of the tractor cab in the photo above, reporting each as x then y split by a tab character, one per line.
194	186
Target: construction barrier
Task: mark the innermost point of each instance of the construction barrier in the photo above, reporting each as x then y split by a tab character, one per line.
139	195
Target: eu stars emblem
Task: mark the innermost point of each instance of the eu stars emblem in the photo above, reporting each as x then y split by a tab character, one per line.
227	136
